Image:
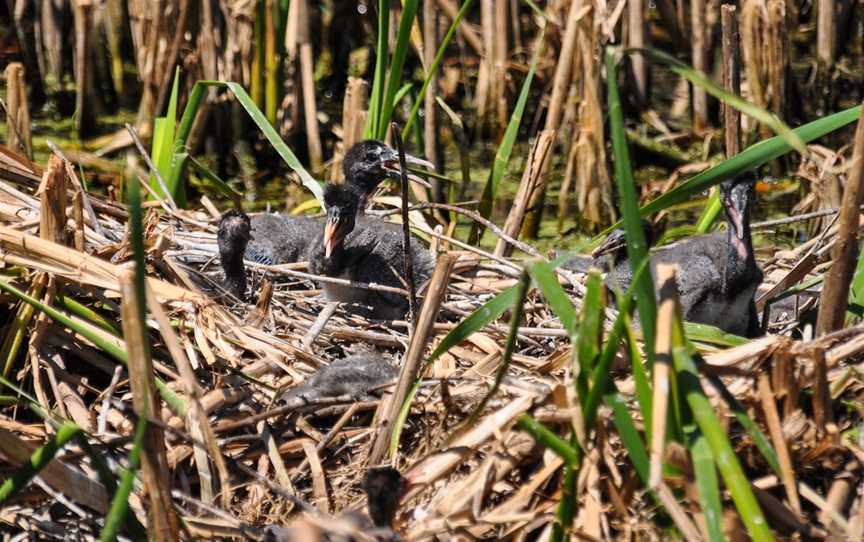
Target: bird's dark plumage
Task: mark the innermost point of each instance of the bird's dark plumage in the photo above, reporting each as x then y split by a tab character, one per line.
366	250
355	376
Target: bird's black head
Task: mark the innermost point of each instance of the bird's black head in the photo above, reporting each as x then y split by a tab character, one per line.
737	196
234	232
615	243
341	201
384	487
370	161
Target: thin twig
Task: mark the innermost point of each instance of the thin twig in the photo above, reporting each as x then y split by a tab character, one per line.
406	226
134	134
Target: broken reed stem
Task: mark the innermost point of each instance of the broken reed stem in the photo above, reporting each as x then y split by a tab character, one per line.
775	429
668	293
835	293
538	156
408	266
700	97
52	201
162	522
18	135
731	77
391	404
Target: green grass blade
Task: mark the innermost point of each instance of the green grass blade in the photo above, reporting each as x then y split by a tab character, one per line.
591	322
382	54
751	158
164	130
544	277
699	79
709	488
214	180
709	214
171	398
505	149
637	248
630	437
397	63
38	461
718	441
439	56
548	439
119	509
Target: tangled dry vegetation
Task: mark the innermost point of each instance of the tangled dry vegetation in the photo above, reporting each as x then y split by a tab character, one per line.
240	460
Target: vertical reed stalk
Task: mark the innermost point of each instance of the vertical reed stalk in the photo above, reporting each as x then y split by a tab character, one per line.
778	51
835	293
430	120
826	28
560	84
271	61
484	75
731	77
114	24
413	361
18	134
256	84
83	11
450	9
636	35
310	109
700	97
538	156
502	53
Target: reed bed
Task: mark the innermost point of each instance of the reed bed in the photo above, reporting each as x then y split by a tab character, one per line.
140	400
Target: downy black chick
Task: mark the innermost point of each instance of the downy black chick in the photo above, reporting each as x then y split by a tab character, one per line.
364	249
272	239
717	273
355	376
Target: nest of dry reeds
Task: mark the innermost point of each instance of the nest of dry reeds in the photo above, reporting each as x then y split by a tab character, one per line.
240	462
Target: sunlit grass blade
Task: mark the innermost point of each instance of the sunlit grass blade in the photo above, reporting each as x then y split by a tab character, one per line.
718	441
397	63
38	461
630	437
382	54
637	248
699	79
546	280
548	439
214	180
439	56
709	214
505	148
180	155
164	130
706	482
171	398
119	509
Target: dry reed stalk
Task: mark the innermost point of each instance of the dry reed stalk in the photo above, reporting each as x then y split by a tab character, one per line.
775	429
78	217
310	109
18	134
172	57
700	63
499	72
52	198
162	521
539	155
838	495
777	53
450	8
411	365
593	184
430	108
561	83
484	74
835	293
826	28
52	46
731	77
666	310
636	38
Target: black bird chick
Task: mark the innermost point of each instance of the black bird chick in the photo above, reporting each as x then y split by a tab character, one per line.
364	249
233	237
611	253
384	487
355	376
276	239
717	273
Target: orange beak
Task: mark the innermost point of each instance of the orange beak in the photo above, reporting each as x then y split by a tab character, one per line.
329	238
